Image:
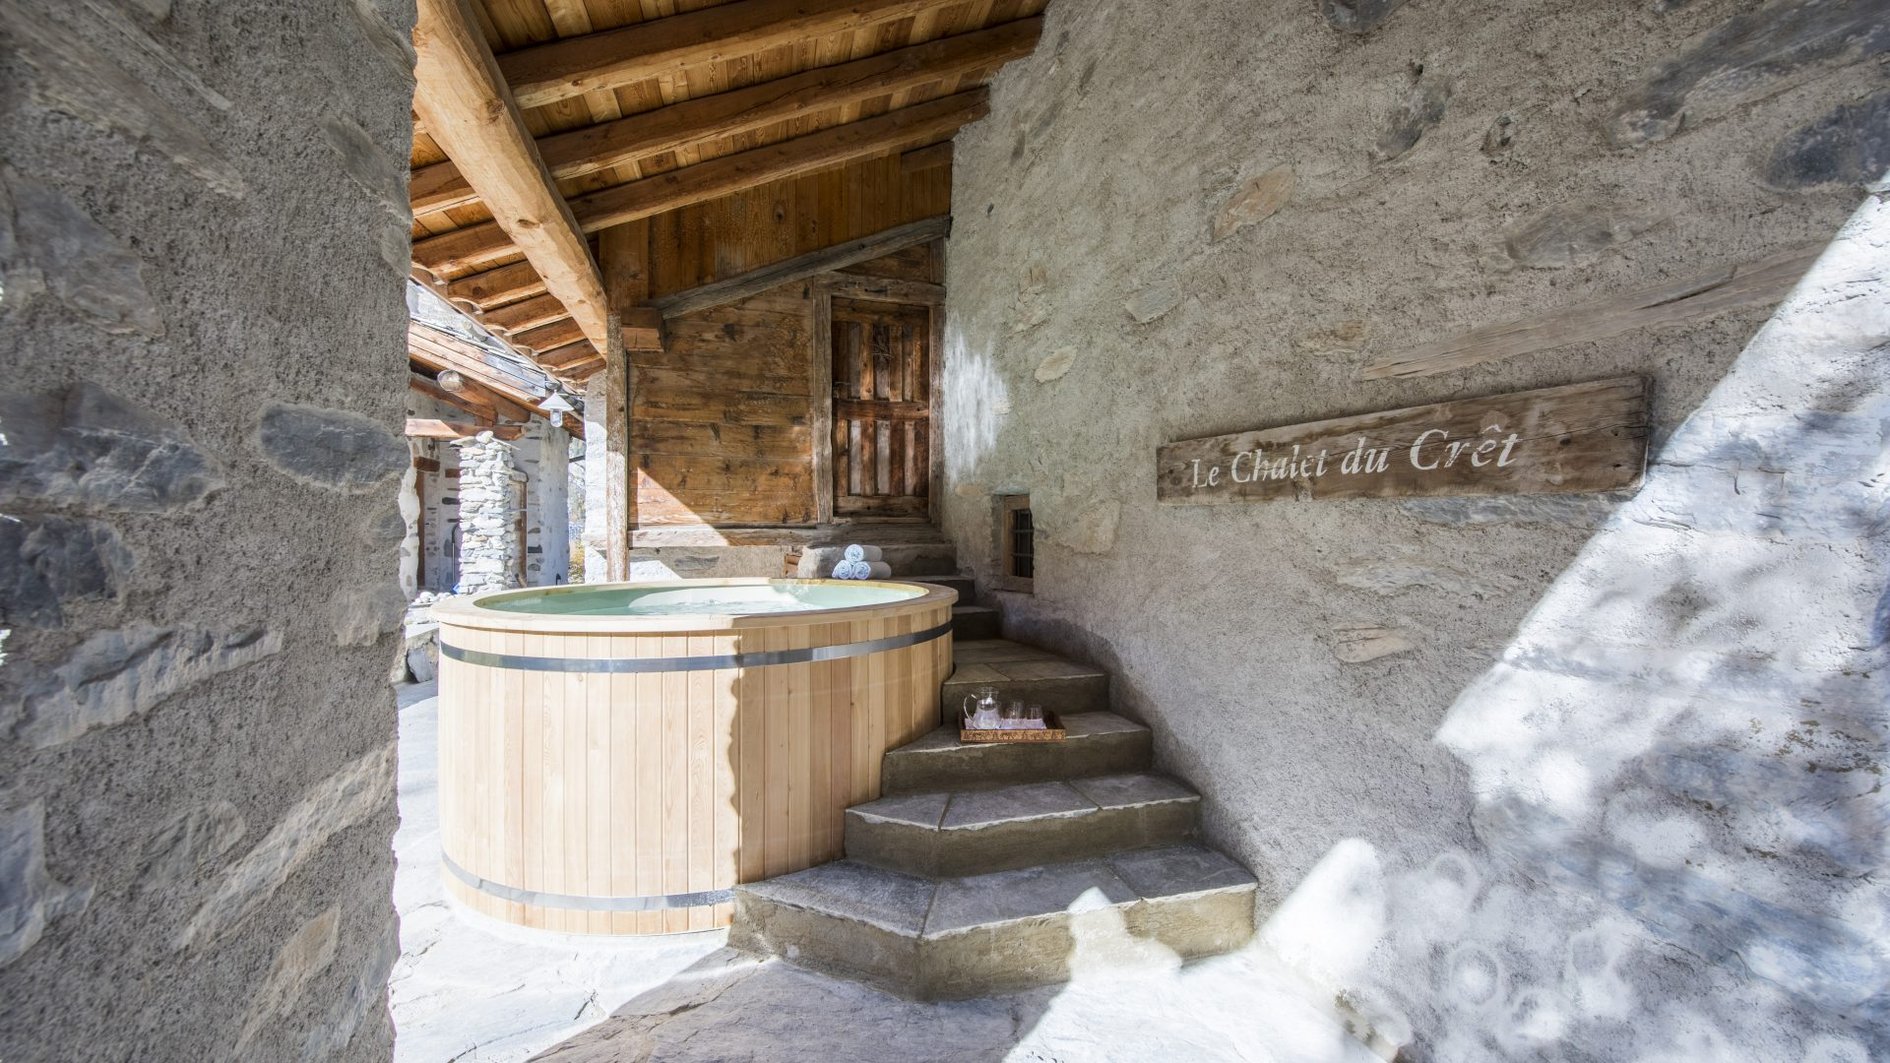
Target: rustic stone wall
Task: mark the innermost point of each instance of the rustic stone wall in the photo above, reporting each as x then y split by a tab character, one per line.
202	250
489	540
543	455
1570	777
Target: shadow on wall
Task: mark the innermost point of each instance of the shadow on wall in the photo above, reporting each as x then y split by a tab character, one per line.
1678	761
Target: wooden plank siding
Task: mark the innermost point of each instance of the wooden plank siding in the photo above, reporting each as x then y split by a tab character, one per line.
723	418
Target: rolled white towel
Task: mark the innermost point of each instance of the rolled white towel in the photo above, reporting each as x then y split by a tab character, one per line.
856	552
843	569
875	569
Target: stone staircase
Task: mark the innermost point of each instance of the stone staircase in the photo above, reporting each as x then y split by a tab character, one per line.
993	868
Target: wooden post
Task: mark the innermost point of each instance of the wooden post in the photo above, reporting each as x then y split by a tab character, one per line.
609	478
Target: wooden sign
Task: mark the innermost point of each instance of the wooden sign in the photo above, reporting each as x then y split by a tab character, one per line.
1584	437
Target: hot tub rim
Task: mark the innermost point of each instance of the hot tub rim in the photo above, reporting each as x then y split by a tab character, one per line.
469	613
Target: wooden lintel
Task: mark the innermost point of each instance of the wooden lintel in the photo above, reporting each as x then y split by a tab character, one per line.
469	111
804	267
433	428
891	289
1758	283
683	125
596	62
919	160
480	245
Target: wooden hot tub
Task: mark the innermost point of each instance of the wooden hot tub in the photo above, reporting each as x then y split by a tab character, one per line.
615	757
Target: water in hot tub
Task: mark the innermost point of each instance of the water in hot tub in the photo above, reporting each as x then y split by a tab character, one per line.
783	597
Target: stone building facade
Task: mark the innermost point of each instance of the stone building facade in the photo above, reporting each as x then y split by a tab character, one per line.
1601	782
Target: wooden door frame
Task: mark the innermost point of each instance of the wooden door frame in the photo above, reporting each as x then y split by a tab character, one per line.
821	291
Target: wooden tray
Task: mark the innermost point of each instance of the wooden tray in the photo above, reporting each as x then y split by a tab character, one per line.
1052	732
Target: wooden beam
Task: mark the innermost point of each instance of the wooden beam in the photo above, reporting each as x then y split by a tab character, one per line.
540	310
642	328
549	337
594	62
432	428
496	287
469	112
571	354
891	289
437	351
803	267
919	160
679	126
477	246
1758	283
467	401
581	373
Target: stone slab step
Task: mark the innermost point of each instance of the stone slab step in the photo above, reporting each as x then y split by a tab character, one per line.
979	831
975	936
1036	676
1099	743
966	587
971	623
907	560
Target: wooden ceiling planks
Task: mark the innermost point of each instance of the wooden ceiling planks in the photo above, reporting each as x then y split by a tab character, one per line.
663	66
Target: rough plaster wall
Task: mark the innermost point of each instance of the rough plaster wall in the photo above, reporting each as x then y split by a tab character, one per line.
202	250
1644	829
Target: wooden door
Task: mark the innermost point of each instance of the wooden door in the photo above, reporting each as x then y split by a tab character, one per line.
882	410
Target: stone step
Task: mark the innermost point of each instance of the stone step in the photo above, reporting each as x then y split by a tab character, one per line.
966	587
975	936
971	623
980	831
1035	676
1099	743
913	560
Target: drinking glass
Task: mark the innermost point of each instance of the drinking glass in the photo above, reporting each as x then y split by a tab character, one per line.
1033	718
1013	716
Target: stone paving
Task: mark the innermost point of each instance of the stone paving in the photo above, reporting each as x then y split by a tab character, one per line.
471	990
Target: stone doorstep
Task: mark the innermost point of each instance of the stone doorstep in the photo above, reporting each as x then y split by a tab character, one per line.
1099	743
979	831
975	623
976	935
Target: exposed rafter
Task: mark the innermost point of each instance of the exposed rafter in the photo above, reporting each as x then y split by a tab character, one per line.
496	287
682	125
801	267
436	350
472	401
548	73
481	245
468	110
433	428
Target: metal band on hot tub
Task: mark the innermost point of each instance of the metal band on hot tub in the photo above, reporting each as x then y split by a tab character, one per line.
758	659
583	903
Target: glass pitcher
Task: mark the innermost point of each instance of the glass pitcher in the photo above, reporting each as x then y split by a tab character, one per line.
980	709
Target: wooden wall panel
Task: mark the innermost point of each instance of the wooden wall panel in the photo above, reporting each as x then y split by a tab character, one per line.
735	234
720	418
